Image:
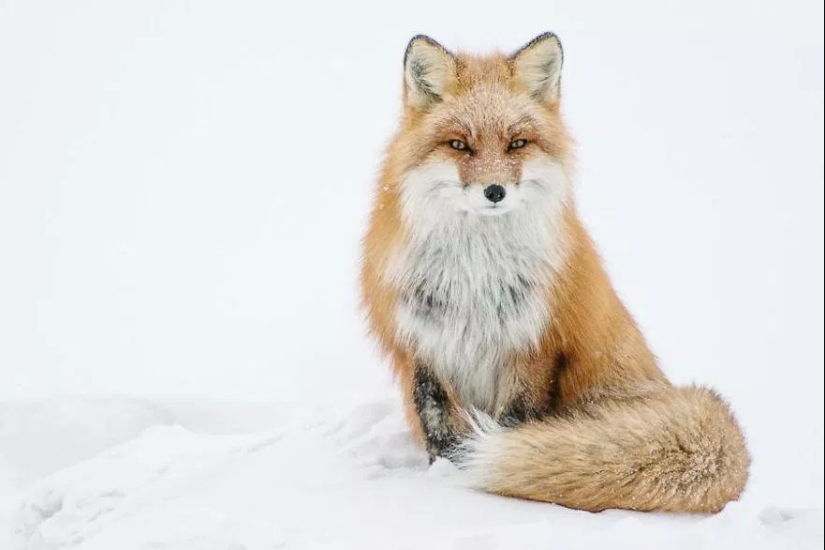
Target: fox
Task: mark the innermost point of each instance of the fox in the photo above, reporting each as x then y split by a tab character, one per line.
514	356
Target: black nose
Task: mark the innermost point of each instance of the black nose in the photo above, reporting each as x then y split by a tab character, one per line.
495	193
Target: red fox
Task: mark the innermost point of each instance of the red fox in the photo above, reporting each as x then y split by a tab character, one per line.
515	357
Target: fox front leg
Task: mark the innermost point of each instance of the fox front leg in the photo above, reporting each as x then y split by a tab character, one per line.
437	412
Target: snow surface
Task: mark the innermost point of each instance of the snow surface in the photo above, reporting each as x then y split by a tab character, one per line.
207	477
183	186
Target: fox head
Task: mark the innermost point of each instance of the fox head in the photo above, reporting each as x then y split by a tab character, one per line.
481	136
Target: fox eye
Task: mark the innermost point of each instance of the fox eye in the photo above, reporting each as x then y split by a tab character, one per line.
517	144
458	145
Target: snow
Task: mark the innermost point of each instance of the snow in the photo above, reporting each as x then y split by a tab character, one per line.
183	187
332	478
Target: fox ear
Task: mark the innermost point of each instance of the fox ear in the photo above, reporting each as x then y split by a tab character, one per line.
429	71
538	67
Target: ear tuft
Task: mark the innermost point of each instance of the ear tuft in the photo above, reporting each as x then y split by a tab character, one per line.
538	67
429	71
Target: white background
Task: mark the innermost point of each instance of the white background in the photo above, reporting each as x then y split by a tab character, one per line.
183	186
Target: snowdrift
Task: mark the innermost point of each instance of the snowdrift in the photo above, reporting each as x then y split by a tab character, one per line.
130	474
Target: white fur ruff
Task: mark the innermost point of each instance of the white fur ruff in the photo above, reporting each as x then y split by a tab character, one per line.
473	280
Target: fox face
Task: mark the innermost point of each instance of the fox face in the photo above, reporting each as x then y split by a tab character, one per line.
482	137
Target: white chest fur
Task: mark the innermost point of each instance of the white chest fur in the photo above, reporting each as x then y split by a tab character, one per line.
473	293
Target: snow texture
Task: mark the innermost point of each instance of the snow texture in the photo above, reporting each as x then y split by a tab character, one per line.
337	478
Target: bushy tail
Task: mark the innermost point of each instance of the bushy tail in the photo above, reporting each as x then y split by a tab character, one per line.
677	450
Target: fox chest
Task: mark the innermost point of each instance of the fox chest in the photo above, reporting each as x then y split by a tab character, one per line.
466	309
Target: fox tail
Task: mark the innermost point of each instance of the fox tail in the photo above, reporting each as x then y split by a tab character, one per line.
674	450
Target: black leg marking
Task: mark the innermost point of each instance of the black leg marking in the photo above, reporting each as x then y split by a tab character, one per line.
433	406
560	365
517	412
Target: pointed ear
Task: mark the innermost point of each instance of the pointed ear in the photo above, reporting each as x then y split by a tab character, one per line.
429	71
538	67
